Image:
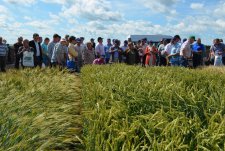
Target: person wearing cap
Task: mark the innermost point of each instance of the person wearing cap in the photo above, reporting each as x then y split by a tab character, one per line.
51	45
72	53
44	47
132	56
124	48
89	54
198	53
35	44
16	49
107	49
150	53
186	51
100	48
79	59
3	54
59	56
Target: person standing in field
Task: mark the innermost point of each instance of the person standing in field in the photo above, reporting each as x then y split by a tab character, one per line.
107	49
35	44
198	53
72	54
93	42
26	54
218	49
162	56
59	56
100	48
16	50
89	54
186	51
115	52
132	55
124	48
174	56
79	59
150	52
51	45
3	54
44	47
141	50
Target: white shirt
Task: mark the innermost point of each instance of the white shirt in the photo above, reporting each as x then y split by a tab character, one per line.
100	49
168	48
38	49
186	50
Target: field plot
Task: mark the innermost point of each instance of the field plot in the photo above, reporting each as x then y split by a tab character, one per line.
132	108
40	110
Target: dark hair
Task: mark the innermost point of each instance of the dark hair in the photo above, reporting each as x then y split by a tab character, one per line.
71	38
56	36
35	35
47	39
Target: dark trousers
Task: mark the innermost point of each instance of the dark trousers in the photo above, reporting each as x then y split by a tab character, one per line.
183	62
38	61
3	63
197	60
163	61
17	61
223	59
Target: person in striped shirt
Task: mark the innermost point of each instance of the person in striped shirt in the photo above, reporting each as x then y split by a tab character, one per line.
3	54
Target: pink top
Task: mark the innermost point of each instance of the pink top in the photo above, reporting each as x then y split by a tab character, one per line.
98	61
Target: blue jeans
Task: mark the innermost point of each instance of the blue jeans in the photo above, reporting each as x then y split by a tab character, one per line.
175	61
183	62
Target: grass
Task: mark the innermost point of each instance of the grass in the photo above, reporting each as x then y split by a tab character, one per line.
133	108
40	110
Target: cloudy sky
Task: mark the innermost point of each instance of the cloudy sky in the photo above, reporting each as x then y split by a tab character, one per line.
112	18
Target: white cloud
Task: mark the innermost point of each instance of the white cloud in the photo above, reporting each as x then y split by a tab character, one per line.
196	6
220	10
21	2
161	6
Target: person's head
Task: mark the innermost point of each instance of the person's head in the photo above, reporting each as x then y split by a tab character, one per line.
63	41
72	39
130	45
184	40
176	39
92	40
108	41
217	41
78	41
199	41
192	39
89	45
129	40
1	40
221	40
26	43
82	39
150	43
100	39
117	43
143	41
20	40
46	41
67	37
164	42
36	37
125	43
56	38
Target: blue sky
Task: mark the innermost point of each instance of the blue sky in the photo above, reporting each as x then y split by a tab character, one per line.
112	18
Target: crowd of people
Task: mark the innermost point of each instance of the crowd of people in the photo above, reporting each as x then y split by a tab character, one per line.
72	53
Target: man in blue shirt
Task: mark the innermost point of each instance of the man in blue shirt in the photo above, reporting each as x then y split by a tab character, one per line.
198	53
107	49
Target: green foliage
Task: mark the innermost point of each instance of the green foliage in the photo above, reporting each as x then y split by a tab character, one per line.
133	108
40	110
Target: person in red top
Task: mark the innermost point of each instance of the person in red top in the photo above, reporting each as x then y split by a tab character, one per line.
151	53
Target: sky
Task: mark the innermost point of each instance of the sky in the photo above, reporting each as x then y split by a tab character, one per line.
112	18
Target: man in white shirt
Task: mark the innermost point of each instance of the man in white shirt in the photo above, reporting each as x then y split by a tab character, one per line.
100	48
186	51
